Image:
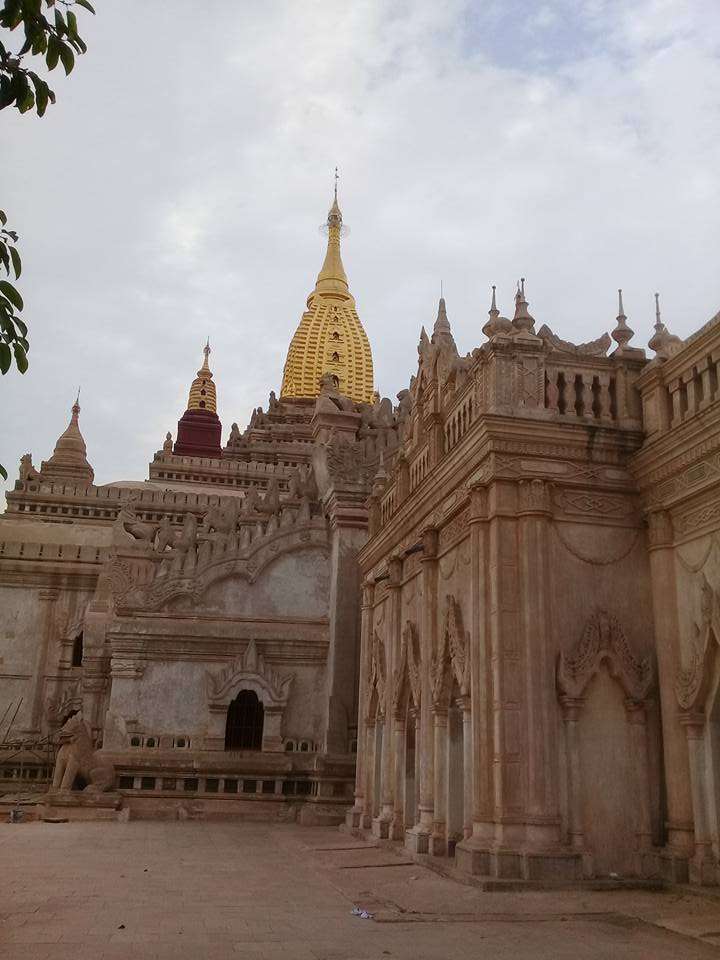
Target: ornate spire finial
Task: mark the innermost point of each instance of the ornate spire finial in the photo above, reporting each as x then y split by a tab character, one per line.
622	334
76	406
522	321
664	343
496	324
337	177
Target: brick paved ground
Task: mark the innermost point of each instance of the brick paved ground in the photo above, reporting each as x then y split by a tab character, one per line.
91	891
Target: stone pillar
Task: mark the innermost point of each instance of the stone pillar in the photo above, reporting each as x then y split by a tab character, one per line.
506	647
399	733
675	744
418	838
571	715
542	813
369	798
467	768
702	864
381	824
355	816
471	854
47	600
438	839
637	720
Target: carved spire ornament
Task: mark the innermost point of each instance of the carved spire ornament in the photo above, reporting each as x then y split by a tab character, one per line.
622	334
664	343
523	322
496	324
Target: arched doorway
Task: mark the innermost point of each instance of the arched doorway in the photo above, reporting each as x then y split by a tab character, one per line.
244	727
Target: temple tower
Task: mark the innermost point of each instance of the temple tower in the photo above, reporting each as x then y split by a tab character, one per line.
69	459
199	429
330	337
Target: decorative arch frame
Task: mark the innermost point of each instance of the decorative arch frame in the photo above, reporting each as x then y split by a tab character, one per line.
603	641
247	672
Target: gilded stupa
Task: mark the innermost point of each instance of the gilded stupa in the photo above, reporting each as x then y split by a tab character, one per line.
330	337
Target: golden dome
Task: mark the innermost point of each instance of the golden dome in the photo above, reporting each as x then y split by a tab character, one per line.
202	391
330	337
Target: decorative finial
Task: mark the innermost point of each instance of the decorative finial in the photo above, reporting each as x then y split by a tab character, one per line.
496	324
622	334
522	321
76	406
337	177
664	343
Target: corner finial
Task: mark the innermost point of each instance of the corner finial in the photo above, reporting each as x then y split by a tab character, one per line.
664	343
496	324
622	334
523	322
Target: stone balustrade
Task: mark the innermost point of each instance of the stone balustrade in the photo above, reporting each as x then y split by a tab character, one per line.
678	389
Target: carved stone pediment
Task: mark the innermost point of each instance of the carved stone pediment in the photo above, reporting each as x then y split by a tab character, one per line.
378	670
407	675
248	671
451	660
692	682
594	348
603	641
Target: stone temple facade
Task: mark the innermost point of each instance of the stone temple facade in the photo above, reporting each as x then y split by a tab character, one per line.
483	622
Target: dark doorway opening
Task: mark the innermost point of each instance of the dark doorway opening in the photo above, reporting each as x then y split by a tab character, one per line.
77	650
244	728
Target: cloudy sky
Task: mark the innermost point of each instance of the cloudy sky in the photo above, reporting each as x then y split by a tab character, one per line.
175	191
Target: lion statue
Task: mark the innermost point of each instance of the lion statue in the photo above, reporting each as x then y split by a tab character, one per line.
76	757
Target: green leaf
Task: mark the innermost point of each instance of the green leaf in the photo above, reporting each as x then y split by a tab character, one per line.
86	4
59	23
11	293
5	358
72	23
41	92
20	357
53	53
21	327
3	218
5	256
3	472
67	57
17	264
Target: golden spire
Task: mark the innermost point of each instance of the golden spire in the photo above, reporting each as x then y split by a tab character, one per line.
202	391
330	337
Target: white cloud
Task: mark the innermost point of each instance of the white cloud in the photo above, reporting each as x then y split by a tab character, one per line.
175	189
